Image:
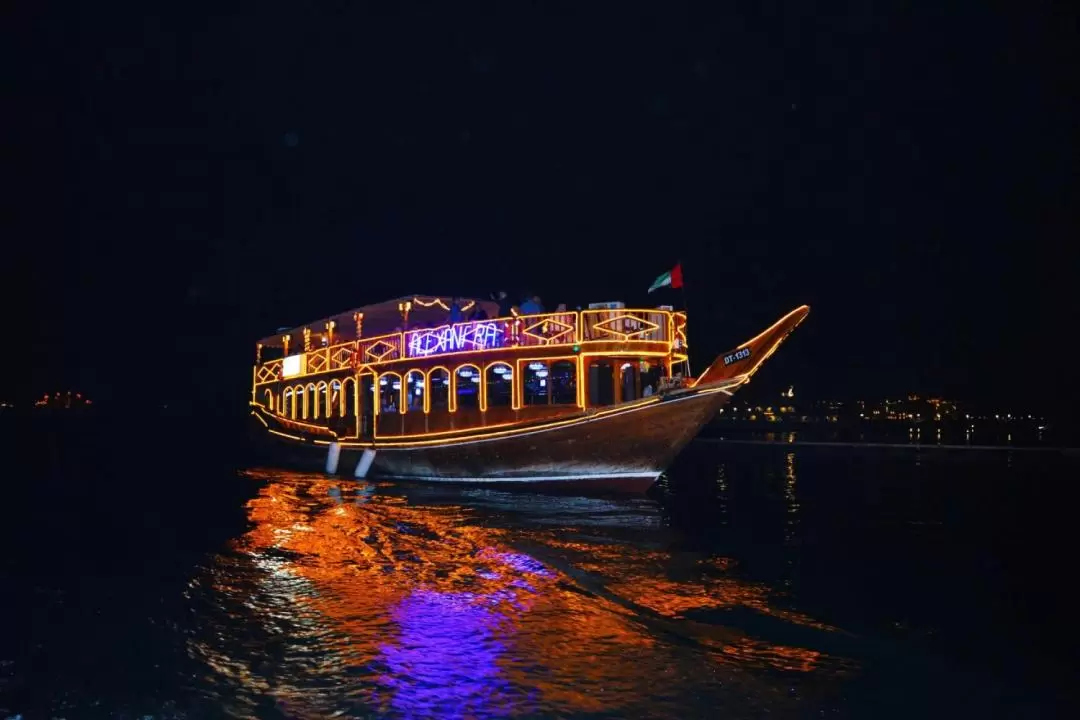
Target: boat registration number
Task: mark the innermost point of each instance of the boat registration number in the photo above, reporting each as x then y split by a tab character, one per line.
737	356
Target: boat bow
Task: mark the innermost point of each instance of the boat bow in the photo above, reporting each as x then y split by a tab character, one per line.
738	365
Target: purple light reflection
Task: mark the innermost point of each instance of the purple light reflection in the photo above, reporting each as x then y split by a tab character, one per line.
445	660
521	563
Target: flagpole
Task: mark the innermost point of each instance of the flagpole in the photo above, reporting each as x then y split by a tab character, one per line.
686	309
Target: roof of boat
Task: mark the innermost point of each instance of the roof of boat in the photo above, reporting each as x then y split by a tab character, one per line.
384	317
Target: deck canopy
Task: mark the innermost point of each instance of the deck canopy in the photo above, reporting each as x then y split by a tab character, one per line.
379	319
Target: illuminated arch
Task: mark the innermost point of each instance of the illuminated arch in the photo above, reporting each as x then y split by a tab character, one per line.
430	392
321	399
333	398
474	372
288	402
309	398
269	402
408	386
348	397
386	382
298	400
489	375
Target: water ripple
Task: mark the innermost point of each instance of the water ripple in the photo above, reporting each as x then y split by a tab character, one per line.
354	599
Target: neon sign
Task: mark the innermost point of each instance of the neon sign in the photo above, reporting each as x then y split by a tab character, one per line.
452	338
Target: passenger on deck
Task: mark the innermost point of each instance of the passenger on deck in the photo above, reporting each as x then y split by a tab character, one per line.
456	315
532	306
504	303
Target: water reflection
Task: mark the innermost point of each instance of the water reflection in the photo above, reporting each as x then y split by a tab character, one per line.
354	598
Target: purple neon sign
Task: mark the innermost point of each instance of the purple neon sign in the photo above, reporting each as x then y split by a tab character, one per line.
453	338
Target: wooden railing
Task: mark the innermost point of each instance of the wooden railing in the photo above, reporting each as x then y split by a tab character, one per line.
625	325
543	330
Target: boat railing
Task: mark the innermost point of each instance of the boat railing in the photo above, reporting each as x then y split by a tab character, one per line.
623	325
540	330
545	329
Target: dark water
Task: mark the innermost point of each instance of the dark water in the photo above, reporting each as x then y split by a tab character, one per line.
757	582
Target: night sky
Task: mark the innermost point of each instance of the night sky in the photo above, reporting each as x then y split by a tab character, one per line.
181	184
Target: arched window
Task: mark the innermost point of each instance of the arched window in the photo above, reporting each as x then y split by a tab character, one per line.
310	403
534	385
467	387
333	399
563	381
500	385
414	391
438	389
320	401
389	393
348	398
268	400
298	402
288	405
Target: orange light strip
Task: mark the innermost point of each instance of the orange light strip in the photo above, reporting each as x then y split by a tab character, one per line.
578	417
760	335
396	342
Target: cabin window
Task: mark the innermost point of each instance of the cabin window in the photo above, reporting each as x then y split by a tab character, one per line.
334	399
651	372
414	391
321	401
467	387
348	398
269	400
534	383
500	385
439	389
563	382
628	375
310	401
601	383
286	402
389	393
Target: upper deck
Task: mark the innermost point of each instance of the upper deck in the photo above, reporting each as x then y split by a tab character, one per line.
652	332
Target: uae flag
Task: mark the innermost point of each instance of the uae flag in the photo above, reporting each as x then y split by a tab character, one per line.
672	278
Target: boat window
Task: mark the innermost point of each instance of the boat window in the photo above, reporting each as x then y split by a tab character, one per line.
269	402
414	391
563	381
322	399
310	401
467	387
439	389
500	385
286	403
651	372
628	373
334	401
348	398
601	383
534	383
389	393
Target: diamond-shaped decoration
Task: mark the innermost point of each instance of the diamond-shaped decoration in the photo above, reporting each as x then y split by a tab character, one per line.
636	326
550	332
380	351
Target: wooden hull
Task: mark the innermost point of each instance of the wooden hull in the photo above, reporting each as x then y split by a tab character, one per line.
621	448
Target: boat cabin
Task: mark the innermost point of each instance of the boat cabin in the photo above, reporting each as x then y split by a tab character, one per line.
401	371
